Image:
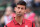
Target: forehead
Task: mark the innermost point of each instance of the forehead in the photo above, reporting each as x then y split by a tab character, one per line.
20	6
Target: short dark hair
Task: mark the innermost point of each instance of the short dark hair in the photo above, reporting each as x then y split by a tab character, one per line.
22	3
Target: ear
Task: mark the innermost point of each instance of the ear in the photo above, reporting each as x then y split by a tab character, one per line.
15	9
25	11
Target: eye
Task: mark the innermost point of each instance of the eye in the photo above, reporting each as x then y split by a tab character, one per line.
18	7
22	8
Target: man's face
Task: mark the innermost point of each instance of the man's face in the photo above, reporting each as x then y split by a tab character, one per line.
20	10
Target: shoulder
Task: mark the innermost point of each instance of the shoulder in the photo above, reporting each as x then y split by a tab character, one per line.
10	24
33	14
2	19
28	21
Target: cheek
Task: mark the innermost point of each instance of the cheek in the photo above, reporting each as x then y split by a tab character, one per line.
16	11
23	11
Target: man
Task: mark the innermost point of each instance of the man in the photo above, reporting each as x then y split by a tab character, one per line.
29	14
19	20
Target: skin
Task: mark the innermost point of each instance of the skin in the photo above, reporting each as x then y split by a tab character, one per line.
20	10
16	1
28	10
8	10
36	1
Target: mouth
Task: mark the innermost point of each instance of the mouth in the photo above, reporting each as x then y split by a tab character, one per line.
19	14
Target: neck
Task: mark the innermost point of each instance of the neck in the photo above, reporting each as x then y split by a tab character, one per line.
19	19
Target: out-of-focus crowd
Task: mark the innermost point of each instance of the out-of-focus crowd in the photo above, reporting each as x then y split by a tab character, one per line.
7	12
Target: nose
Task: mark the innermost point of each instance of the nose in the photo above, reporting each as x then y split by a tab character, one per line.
20	10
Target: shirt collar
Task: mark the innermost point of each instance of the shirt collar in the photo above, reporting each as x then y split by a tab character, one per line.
16	22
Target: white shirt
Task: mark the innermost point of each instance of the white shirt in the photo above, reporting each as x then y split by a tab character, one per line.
7	19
